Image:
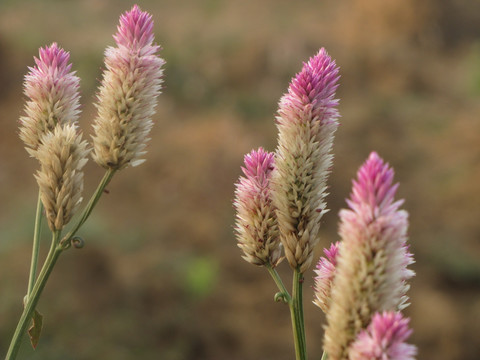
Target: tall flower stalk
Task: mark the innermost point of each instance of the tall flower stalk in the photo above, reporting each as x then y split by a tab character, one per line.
296	186
126	104
53	98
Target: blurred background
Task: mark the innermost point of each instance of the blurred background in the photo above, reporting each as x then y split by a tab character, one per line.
161	276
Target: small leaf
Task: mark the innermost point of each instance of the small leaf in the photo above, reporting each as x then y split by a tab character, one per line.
36	328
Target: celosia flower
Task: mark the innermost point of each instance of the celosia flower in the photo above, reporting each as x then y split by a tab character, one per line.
372	262
256	224
384	339
306	121
128	92
53	95
62	155
325	274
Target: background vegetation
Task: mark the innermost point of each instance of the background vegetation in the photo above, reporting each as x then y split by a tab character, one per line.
161	276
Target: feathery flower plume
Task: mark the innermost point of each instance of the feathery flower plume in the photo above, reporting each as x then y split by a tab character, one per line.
53	95
384	339
325	274
372	262
306	121
256	224
128	93
62	155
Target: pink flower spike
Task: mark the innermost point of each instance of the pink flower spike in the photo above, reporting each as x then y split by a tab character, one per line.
128	93
53	98
372	264
384	339
256	224
325	274
306	122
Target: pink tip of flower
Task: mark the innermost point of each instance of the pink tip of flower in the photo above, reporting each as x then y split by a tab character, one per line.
135	29
258	164
52	59
384	339
373	187
316	83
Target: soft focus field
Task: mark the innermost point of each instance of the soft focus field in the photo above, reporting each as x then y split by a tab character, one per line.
161	276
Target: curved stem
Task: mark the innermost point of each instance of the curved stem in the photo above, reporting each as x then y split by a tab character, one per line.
91	204
32	300
295	305
36	246
279	282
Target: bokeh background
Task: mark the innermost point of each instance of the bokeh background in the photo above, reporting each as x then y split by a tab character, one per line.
161	276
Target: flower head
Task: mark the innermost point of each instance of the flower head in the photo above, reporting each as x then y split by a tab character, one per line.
53	98
306	121
371	271
325	274
256	224
62	155
384	339
128	92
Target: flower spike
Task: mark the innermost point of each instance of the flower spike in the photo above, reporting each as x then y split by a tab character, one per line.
53	98
384	339
325	274
371	271
128	93
62	156
306	121
256	224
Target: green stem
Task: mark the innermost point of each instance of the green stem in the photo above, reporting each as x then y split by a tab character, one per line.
36	246
32	300
324	356
296	310
297	304
91	204
279	282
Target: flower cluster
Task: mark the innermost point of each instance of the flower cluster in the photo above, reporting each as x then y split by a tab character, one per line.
53	98
371	266
126	103
384	339
127	96
256	225
62	156
306	121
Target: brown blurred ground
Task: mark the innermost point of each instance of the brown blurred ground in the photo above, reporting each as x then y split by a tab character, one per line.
161	276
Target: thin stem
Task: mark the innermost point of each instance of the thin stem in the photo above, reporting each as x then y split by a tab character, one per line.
36	246
279	282
32	300
324	356
91	204
296	311
297	303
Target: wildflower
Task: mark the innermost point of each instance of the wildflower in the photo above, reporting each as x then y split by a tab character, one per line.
53	98
371	271
384	339
325	274
62	155
128	92
256	224
306	121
